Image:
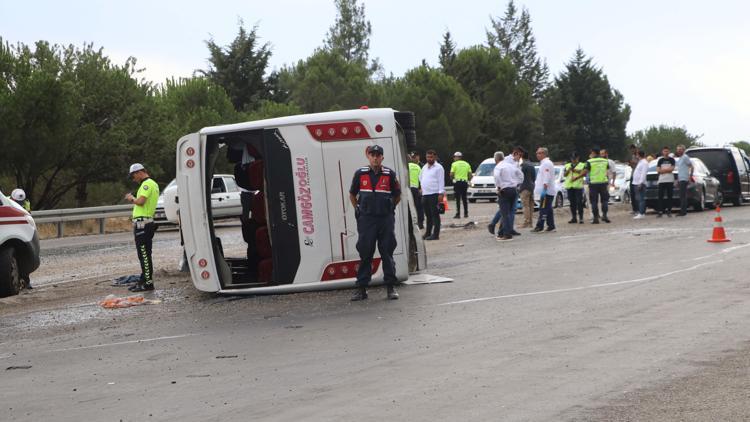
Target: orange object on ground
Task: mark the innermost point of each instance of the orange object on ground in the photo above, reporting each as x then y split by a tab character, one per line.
718	236
114	302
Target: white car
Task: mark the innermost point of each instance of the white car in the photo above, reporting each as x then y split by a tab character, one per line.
482	185
19	247
225	200
621	190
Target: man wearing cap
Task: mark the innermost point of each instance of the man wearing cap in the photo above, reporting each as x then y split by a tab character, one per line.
143	223
461	174
19	197
374	194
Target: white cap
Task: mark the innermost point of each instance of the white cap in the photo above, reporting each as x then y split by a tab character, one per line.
458	154
18	195
136	167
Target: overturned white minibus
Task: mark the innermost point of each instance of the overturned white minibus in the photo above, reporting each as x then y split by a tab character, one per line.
298	223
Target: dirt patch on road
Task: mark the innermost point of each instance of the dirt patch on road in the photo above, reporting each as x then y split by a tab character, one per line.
716	391
62	305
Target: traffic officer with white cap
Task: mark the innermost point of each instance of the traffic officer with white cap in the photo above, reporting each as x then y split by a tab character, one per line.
144	228
19	197
461	174
374	193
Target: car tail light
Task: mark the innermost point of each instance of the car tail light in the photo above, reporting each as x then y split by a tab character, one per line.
205	275
338	131
202	262
730	177
346	269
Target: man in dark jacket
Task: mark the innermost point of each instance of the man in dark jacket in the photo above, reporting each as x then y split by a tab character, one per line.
526	191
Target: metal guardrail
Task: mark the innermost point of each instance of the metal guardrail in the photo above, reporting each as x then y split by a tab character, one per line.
60	217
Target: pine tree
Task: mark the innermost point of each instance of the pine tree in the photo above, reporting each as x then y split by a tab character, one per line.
447	52
240	68
513	37
581	110
350	34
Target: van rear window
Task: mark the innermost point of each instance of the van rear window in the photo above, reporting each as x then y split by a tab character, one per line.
716	159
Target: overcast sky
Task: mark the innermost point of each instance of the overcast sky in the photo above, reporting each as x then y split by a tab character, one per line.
683	63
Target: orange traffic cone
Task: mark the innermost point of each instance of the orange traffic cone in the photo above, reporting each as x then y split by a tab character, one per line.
719	236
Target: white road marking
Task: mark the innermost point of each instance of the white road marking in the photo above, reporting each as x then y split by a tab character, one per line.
125	342
592	286
725	250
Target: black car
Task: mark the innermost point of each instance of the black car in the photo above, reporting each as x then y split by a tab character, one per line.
729	165
703	190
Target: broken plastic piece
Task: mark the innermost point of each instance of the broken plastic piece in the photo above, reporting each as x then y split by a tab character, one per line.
114	302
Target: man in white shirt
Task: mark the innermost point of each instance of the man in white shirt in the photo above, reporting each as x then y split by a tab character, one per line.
508	176
545	187
639	184
432	182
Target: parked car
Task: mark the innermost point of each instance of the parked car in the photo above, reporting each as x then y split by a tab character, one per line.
19	247
620	192
730	165
482	185
225	200
703	191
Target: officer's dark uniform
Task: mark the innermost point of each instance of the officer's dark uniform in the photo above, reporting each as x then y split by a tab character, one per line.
376	193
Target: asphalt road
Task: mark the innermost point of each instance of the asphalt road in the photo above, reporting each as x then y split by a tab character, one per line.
636	320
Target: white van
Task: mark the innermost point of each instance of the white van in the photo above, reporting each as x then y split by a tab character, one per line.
482	185
308	233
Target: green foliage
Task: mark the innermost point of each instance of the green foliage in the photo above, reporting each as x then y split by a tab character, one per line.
513	37
187	105
326	81
63	110
271	109
508	114
240	69
582	110
447	118
743	145
653	139
447	53
71	121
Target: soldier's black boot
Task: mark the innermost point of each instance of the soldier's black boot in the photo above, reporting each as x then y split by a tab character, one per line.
359	294
392	293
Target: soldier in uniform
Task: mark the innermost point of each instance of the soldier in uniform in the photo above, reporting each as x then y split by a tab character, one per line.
144	228
374	193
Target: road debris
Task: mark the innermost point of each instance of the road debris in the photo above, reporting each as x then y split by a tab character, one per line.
115	302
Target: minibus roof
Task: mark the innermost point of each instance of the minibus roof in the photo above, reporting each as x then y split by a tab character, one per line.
375	115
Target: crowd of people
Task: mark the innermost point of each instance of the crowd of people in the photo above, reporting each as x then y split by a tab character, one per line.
518	183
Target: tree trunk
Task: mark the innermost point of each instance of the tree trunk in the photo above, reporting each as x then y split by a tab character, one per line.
81	194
